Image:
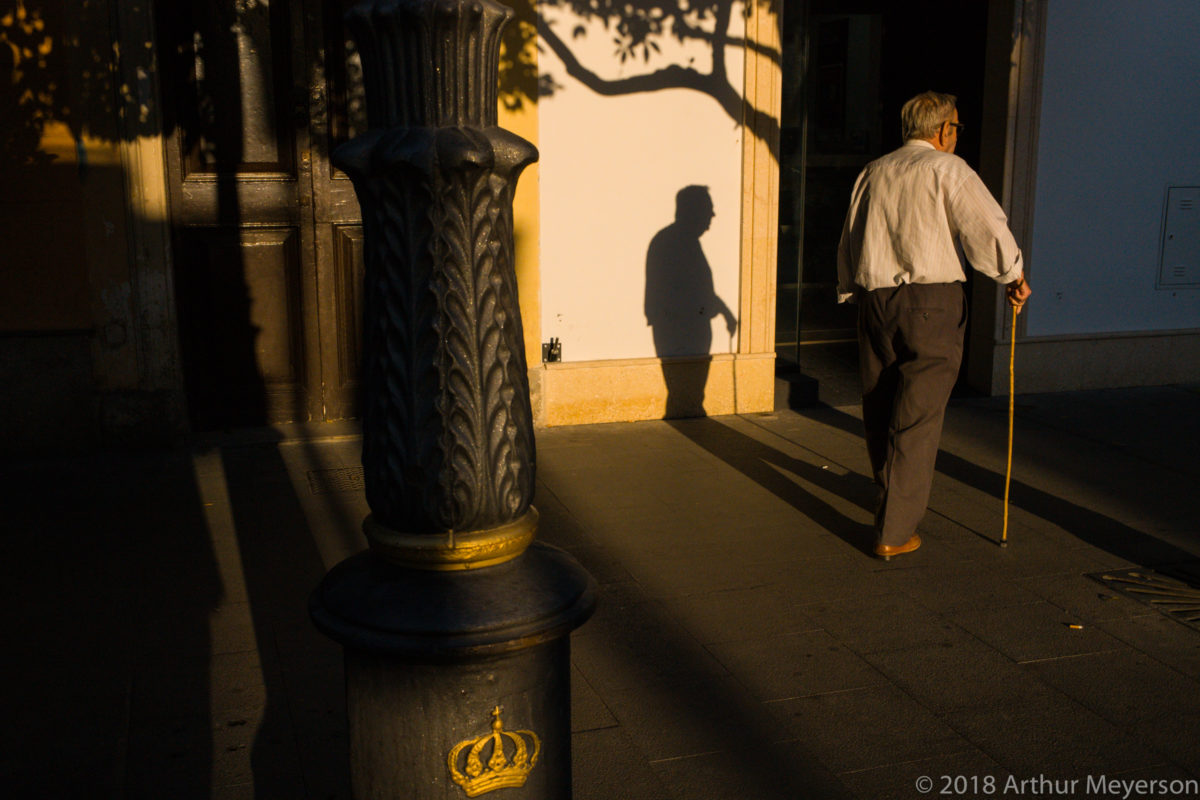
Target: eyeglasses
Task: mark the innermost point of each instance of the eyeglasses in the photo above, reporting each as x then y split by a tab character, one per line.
958	126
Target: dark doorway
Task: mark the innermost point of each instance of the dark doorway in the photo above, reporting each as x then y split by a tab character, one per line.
849	65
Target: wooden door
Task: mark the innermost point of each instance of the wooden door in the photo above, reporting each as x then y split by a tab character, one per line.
338	113
267	241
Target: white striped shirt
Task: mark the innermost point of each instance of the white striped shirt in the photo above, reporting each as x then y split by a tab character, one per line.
914	214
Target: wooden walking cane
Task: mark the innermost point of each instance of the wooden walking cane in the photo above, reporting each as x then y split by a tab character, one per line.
1012	361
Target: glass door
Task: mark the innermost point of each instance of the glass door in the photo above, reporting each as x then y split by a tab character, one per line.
848	67
831	129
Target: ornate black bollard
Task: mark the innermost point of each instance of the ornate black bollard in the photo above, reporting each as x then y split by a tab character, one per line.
455	623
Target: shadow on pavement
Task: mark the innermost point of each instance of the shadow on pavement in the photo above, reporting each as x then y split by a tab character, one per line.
688	722
111	583
759	462
1087	525
279	559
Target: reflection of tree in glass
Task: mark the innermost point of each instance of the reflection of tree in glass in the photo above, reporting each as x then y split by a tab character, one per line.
26	104
63	69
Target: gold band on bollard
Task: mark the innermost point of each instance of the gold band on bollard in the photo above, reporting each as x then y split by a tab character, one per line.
453	550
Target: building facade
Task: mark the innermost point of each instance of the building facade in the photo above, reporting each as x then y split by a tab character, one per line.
182	254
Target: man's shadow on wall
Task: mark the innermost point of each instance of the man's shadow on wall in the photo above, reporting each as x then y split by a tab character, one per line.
681	302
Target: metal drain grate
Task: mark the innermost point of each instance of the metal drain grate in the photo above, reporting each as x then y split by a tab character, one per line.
332	481
1174	592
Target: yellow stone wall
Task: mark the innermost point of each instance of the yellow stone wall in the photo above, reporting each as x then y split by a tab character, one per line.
518	113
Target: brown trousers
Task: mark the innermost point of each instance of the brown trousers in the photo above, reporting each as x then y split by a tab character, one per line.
910	341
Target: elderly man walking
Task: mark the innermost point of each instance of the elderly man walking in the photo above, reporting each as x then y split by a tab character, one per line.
917	215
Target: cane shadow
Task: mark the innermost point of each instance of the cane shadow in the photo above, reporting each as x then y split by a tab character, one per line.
1092	527
680	303
766	466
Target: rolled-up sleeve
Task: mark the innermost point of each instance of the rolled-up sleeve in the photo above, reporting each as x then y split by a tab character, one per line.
983	232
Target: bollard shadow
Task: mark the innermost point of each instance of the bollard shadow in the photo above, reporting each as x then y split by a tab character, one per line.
300	747
221	338
680	302
654	714
763	464
678	675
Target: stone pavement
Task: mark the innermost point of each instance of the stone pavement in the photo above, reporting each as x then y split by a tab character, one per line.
746	645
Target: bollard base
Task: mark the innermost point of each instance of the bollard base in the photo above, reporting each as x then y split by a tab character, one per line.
444	667
414	726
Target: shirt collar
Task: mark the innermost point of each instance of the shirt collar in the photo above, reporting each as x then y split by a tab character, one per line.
919	143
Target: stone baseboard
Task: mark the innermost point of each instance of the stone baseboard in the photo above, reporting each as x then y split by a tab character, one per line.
576	393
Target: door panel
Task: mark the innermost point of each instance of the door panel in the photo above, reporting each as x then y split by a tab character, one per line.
242	323
271	267
236	75
243	199
346	311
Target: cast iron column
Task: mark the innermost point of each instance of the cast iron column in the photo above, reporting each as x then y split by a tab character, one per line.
455	622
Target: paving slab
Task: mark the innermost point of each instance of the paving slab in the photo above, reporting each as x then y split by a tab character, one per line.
794	665
1035	632
1083	597
970	585
668	718
866	728
956	674
607	765
645	652
1164	639
966	774
755	613
588	710
1125	687
779	771
1175	737
884	621
1051	735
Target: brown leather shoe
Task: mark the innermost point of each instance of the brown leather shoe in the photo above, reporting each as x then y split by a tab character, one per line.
886	551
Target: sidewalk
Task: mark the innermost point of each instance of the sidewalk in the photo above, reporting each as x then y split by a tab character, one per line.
746	644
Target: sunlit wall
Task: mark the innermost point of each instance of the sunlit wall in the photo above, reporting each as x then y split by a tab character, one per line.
612	164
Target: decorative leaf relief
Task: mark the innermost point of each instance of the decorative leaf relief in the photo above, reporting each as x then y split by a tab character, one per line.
497	339
511	360
458	358
448	436
399	372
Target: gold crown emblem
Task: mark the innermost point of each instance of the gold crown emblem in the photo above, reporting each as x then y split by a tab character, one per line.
499	771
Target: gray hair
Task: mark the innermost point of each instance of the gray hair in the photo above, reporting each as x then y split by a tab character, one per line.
922	116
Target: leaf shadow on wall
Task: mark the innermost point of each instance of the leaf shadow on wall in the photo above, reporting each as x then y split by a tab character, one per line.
680	302
639	30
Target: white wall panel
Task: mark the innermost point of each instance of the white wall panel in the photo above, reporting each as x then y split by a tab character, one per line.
610	169
1120	122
